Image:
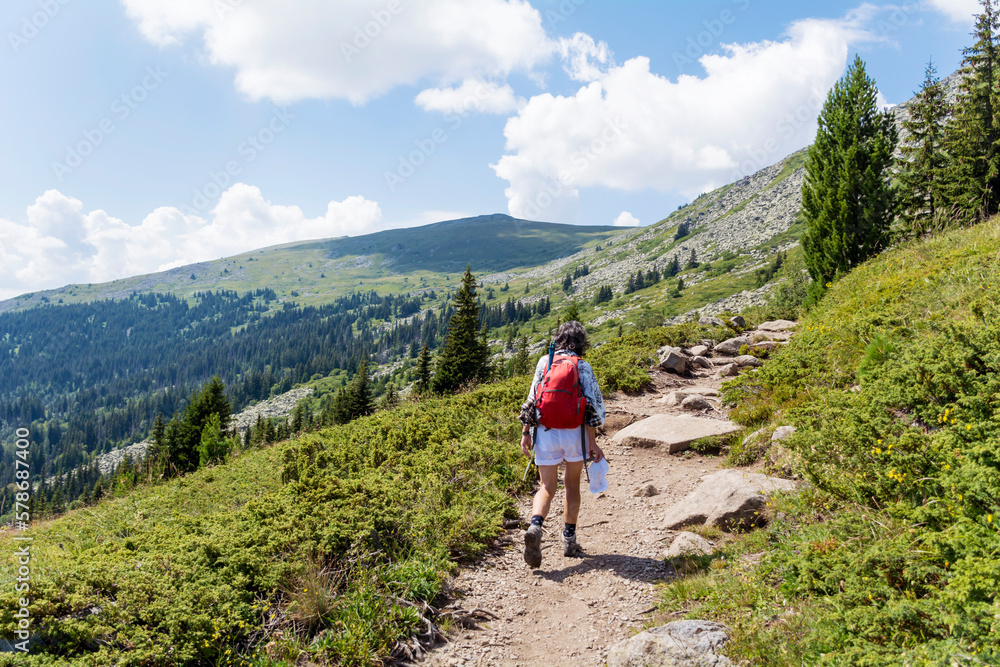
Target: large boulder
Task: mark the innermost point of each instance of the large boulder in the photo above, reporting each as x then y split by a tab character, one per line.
738	321
699	351
731	347
728	499
672	432
711	322
672	361
677	644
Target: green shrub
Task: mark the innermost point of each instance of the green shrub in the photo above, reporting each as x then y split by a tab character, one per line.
891	558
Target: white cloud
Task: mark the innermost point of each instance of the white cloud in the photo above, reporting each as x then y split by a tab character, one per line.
626	219
959	11
472	96
584	59
59	244
288	51
632	129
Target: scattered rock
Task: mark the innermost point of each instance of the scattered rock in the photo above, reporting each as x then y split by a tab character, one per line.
728	371
782	460
701	362
711	322
783	433
673	362
738	321
765	345
647	491
728	499
696	402
777	325
731	347
677	644
672	432
748	360
698	351
689	544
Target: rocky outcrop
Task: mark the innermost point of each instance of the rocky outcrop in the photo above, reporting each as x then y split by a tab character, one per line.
677	644
728	499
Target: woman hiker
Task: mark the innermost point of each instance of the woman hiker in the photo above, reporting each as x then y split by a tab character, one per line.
556	445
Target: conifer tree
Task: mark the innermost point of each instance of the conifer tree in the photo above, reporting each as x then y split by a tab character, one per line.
921	169
522	362
972	137
463	357
846	198
572	312
183	433
359	391
424	371
390	398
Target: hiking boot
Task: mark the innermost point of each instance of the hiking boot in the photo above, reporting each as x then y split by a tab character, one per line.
571	547
533	546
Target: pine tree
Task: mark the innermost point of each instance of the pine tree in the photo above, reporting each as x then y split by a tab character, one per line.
846	198
972	137
463	357
572	312
522	362
424	371
360	401
390	398
922	167
183	433
567	283
692	262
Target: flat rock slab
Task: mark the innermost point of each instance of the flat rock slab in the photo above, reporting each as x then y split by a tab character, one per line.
729	499
672	432
677	644
777	325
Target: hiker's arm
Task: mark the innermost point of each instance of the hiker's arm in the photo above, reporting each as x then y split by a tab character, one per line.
592	391
596	453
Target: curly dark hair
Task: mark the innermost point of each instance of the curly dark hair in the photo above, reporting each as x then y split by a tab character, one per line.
572	336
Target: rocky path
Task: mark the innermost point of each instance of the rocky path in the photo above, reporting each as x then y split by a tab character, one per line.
572	610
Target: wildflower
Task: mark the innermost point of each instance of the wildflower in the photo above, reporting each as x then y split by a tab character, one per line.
968	427
989	518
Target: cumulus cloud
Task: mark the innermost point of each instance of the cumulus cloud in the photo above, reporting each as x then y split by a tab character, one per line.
583	58
58	243
472	96
289	51
626	219
631	129
959	11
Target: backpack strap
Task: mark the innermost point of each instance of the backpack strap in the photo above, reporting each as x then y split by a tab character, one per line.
552	354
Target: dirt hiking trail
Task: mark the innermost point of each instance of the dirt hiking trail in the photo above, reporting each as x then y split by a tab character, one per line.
571	611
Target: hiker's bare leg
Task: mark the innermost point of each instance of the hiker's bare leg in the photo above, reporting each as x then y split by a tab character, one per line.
572	504
547	489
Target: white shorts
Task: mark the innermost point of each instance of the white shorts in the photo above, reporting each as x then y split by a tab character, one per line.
556	445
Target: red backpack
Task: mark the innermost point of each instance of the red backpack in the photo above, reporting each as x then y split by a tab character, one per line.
559	396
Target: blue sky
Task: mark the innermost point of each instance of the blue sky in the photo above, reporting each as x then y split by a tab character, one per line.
145	134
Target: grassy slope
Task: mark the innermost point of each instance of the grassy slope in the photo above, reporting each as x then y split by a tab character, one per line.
203	570
894	556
